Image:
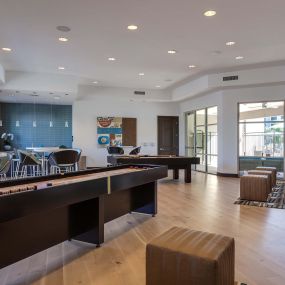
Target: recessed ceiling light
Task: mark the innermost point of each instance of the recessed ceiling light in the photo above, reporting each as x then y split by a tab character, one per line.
210	13
61	68
157	86
239	57
6	49
216	52
63	29
191	66
111	58
132	27
63	39
230	43
172	51
141	74
95	82
56	97
66	94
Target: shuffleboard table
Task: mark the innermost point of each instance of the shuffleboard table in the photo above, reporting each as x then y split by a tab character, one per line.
172	162
39	212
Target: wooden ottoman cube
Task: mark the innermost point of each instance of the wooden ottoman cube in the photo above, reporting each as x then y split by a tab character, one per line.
187	257
272	169
263	172
254	187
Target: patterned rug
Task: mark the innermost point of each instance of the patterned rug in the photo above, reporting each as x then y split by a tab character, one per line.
275	200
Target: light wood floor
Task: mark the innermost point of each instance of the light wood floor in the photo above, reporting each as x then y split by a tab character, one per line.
206	204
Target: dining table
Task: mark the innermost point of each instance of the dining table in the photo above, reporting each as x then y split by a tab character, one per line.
43	152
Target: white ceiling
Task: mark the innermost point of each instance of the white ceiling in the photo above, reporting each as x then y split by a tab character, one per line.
99	30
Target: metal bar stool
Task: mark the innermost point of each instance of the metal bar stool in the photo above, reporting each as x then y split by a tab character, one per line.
28	165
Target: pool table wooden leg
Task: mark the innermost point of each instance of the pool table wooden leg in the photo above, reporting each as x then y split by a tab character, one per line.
187	174
175	173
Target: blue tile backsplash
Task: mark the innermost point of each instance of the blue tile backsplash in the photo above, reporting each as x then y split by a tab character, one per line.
43	135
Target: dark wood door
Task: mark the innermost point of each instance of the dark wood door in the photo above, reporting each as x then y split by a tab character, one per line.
129	131
168	135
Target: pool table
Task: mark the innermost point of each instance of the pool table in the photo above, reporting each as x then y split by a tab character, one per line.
172	162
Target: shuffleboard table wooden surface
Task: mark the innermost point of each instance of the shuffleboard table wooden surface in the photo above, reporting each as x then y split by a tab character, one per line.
171	161
40	212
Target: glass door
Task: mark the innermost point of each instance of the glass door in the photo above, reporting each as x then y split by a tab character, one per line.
190	135
212	139
200	133
202	138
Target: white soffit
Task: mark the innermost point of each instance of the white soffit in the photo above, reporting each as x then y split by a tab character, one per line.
246	78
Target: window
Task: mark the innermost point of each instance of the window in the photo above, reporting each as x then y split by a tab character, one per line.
261	135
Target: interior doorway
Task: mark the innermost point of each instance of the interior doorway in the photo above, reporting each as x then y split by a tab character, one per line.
168	135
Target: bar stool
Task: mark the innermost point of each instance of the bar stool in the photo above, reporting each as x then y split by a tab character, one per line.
5	163
28	164
15	162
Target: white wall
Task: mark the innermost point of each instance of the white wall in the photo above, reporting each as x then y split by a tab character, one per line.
227	102
86	111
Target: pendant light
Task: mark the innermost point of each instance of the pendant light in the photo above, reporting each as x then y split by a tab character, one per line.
35	116
51	121
17	112
17	118
66	124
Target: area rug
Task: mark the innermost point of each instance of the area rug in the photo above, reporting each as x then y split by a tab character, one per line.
275	200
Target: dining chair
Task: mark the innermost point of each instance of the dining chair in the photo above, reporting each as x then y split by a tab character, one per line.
135	151
115	150
64	160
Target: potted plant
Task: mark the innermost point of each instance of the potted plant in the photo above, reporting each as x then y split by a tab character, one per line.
7	141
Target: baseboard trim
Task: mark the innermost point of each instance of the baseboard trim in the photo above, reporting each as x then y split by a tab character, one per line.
233	175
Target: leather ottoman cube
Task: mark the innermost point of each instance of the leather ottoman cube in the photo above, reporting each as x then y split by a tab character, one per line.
272	169
187	257
254	187
263	172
